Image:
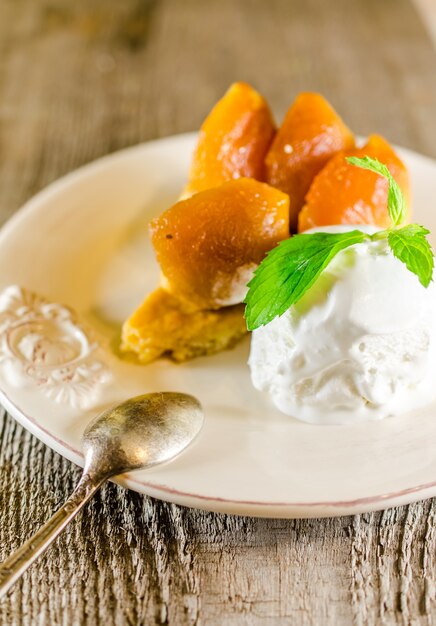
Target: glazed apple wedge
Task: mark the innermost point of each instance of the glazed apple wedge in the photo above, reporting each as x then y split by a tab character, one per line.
208	247
233	140
311	133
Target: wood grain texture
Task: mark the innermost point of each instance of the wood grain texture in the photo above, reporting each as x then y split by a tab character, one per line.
79	80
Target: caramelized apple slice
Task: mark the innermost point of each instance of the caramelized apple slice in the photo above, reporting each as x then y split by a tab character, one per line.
233	140
345	194
162	326
209	245
311	133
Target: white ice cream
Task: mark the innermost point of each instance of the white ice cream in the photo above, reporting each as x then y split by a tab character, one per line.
360	344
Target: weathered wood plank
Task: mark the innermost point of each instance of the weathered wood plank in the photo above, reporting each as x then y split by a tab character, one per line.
78	80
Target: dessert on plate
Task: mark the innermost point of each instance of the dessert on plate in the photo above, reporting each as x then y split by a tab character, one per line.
249	187
312	233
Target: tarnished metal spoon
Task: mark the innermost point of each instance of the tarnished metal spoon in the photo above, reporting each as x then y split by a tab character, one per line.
136	434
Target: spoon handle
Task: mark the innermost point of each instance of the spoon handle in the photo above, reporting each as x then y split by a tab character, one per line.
20	561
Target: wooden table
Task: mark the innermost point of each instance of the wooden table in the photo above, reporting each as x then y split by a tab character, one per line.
84	78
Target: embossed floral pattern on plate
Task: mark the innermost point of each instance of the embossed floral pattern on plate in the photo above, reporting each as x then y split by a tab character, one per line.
44	344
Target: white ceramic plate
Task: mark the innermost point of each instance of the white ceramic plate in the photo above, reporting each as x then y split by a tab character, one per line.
83	243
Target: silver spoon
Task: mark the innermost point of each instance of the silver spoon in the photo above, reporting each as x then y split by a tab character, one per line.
139	433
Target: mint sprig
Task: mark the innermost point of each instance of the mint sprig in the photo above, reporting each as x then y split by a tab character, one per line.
291	268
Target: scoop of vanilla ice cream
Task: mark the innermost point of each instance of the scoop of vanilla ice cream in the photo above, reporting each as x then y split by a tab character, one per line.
359	345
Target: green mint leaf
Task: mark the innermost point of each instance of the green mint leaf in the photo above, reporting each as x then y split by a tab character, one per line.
396	201
289	270
411	247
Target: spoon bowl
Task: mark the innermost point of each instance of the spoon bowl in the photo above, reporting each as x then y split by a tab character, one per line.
141	432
